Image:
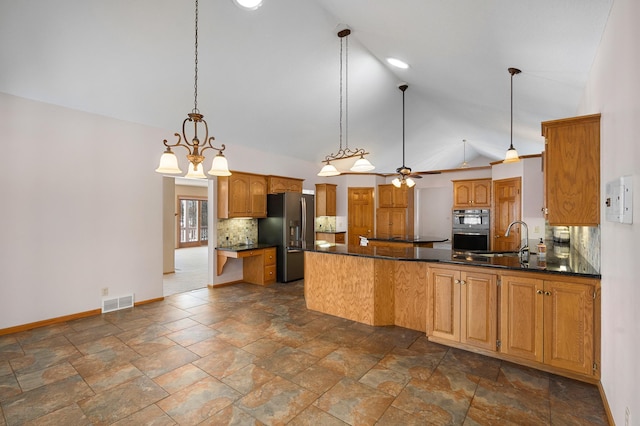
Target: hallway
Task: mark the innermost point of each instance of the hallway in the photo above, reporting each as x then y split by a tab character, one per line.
252	355
190	271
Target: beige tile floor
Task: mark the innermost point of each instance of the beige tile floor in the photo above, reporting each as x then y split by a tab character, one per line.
248	355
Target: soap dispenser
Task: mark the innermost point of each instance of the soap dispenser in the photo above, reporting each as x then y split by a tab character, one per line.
542	250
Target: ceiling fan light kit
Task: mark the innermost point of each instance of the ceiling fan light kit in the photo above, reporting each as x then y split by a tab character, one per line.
361	164
168	160
405	176
512	155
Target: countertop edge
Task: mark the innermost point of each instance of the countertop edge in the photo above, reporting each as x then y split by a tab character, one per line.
461	262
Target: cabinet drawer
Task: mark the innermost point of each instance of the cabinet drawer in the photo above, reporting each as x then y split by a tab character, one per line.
270	256
269	274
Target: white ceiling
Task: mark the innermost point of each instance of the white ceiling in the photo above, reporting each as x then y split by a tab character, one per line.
268	79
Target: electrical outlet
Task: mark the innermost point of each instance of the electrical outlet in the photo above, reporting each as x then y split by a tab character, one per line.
627	417
536	230
105	291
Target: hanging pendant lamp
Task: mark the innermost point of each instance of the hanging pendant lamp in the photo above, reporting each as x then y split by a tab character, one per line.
464	164
362	164
512	154
169	162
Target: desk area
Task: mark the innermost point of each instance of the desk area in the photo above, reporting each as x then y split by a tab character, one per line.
259	261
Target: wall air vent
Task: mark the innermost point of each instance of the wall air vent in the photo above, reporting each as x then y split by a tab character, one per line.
117	303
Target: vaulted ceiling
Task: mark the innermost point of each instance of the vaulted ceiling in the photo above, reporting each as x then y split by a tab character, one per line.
269	78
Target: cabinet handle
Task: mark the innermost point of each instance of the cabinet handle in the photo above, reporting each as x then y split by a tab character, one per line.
497	236
547	293
463	282
539	291
456	281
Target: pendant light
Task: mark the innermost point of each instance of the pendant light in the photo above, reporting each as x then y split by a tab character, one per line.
169	162
362	164
464	164
512	154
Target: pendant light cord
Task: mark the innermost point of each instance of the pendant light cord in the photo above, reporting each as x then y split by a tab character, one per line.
195	79
403	166
511	142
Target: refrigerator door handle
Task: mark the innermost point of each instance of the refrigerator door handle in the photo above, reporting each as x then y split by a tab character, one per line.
303	206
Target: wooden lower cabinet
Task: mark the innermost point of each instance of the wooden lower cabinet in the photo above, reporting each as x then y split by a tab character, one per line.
260	267
550	320
464	306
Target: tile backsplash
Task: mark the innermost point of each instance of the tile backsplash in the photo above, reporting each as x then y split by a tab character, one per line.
236	231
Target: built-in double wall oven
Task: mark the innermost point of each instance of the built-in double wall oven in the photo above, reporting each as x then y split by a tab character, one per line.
470	229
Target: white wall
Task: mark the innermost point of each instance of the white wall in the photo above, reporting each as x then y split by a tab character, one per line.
81	210
612	90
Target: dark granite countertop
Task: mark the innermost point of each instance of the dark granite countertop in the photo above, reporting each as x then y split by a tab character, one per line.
243	247
330	232
573	264
417	239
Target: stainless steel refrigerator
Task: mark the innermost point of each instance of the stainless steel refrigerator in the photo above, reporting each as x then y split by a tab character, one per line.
290	226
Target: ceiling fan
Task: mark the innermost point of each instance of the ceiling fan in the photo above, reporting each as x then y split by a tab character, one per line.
405	176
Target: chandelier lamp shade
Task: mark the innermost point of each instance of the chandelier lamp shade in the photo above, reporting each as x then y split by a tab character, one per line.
512	155
343	153
195	148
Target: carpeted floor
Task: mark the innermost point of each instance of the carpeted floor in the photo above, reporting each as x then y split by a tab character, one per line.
191	271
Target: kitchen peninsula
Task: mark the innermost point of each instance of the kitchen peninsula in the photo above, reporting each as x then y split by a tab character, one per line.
541	314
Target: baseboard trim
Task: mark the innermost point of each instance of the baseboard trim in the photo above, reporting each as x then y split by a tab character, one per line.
224	284
607	409
65	318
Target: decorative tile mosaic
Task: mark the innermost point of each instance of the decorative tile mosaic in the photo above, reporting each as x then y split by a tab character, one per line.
237	231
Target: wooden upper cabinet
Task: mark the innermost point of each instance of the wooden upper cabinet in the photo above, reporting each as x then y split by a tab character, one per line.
325	199
471	193
390	196
278	184
572	171
242	195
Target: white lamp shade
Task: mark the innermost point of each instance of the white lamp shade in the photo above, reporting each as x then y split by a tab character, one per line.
410	182
220	166
194	173
329	170
512	156
362	165
169	164
397	182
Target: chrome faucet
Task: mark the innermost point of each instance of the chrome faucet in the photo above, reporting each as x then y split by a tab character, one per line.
524	248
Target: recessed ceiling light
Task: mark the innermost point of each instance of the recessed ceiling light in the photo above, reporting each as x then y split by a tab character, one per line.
398	63
248	4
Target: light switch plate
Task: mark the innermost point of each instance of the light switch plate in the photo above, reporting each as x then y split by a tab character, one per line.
619	200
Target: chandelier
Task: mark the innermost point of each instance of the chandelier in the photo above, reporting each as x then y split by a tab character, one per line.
362	164
464	164
169	161
512	154
405	176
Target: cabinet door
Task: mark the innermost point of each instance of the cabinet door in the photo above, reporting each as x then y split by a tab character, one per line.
572	171
481	193
462	194
383	220
521	317
479	309
239	201
385	195
398	223
258	194
325	199
569	326
444	289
